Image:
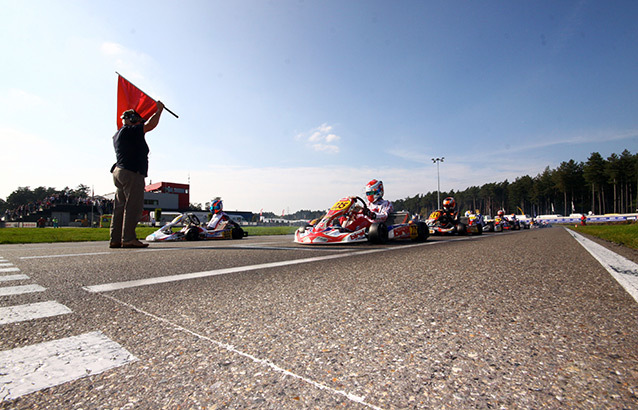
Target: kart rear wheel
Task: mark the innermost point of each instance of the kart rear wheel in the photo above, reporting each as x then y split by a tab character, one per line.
461	229
237	233
378	233
423	231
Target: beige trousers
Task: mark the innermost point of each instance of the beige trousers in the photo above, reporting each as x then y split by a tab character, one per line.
129	204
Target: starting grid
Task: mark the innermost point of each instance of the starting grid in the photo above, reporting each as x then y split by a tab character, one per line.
32	368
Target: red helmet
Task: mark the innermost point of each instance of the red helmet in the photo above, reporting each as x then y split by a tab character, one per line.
500	213
374	190
449	203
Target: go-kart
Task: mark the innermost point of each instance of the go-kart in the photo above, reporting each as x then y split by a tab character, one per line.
194	230
511	223
437	226
492	224
328	230
499	224
473	222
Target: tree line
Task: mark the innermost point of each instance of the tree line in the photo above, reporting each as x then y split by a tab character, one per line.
598	185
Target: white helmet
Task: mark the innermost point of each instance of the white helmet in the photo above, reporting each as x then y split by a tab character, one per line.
374	190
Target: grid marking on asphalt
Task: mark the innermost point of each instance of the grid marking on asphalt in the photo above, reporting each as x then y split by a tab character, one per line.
25	370
181	248
19	290
107	287
65	255
264	362
7	278
623	270
30	311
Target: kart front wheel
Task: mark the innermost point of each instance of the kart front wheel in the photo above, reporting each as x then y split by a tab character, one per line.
192	234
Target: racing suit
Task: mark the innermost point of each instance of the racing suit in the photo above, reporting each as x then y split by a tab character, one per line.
381	208
216	220
447	218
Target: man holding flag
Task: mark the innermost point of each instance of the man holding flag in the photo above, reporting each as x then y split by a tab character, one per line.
131	168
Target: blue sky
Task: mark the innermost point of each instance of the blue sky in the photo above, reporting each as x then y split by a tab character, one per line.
288	105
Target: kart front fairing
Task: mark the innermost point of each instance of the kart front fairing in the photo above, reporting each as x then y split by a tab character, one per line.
193	230
166	234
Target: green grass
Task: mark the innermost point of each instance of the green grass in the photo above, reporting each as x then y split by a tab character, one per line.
626	235
46	235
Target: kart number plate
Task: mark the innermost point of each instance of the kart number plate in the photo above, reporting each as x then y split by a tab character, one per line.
341	205
414	232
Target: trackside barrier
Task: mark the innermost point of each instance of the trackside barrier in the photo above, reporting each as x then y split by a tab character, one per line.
590	218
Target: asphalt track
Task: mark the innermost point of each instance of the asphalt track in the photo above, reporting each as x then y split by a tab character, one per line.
527	319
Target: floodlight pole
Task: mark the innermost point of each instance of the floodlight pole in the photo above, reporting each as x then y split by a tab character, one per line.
438	180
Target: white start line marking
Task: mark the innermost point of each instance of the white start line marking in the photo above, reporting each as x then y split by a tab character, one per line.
263	362
195	275
28	369
19	290
8	278
622	269
21	313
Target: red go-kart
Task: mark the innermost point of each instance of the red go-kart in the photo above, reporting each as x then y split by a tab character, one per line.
329	231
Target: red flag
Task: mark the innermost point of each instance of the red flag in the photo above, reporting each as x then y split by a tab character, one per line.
131	97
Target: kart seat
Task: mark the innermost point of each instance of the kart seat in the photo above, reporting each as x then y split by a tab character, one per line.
396	218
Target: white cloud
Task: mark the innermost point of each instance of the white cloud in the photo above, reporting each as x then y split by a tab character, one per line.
321	139
129	63
19	100
598	137
112	49
332	137
326	148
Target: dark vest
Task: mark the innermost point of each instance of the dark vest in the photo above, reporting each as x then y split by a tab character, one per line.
131	150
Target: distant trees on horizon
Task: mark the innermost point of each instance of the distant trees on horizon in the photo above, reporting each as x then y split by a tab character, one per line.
598	185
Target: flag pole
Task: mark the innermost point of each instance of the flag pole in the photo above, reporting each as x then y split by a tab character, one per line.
165	107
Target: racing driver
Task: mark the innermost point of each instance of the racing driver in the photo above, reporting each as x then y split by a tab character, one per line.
377	211
217	209
448	216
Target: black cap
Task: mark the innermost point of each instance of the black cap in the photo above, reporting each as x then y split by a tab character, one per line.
131	115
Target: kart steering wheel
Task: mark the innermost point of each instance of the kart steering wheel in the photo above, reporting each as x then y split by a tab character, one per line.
363	203
193	219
